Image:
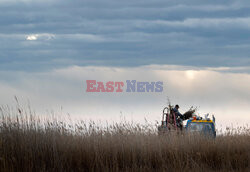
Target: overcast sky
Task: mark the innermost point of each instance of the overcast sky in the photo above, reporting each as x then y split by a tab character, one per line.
44	34
199	49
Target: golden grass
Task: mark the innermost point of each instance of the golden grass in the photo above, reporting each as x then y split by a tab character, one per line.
29	143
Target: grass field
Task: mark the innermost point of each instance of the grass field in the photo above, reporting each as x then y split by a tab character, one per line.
29	143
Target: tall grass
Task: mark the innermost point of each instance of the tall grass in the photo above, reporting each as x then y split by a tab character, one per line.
31	143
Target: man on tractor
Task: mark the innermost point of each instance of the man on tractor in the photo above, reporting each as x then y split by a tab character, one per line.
179	116
176	111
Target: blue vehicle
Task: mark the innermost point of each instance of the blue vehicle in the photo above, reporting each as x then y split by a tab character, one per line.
204	126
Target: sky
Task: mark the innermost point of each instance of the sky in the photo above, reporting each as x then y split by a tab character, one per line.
198	49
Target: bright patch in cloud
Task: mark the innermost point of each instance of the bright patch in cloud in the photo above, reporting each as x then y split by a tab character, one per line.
190	74
43	36
31	37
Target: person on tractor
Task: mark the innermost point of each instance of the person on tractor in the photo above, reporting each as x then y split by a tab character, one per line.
179	116
176	111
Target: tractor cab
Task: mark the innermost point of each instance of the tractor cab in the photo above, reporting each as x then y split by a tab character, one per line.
203	126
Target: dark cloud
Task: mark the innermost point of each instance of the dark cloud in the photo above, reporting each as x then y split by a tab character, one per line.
38	35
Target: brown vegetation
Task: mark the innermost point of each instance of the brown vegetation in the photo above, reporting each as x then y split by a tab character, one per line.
28	143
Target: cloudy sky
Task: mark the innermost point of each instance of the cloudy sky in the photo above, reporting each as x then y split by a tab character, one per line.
199	49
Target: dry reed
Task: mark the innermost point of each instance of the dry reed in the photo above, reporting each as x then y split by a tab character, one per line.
30	143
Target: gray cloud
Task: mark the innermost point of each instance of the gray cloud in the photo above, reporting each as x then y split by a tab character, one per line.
123	33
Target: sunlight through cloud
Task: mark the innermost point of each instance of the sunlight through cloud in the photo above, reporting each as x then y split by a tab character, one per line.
31	37
190	74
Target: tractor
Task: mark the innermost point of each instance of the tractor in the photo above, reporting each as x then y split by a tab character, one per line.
194	124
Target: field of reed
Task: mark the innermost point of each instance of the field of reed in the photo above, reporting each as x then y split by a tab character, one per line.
32	143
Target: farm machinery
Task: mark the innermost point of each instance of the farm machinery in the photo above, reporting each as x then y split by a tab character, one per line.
194	124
